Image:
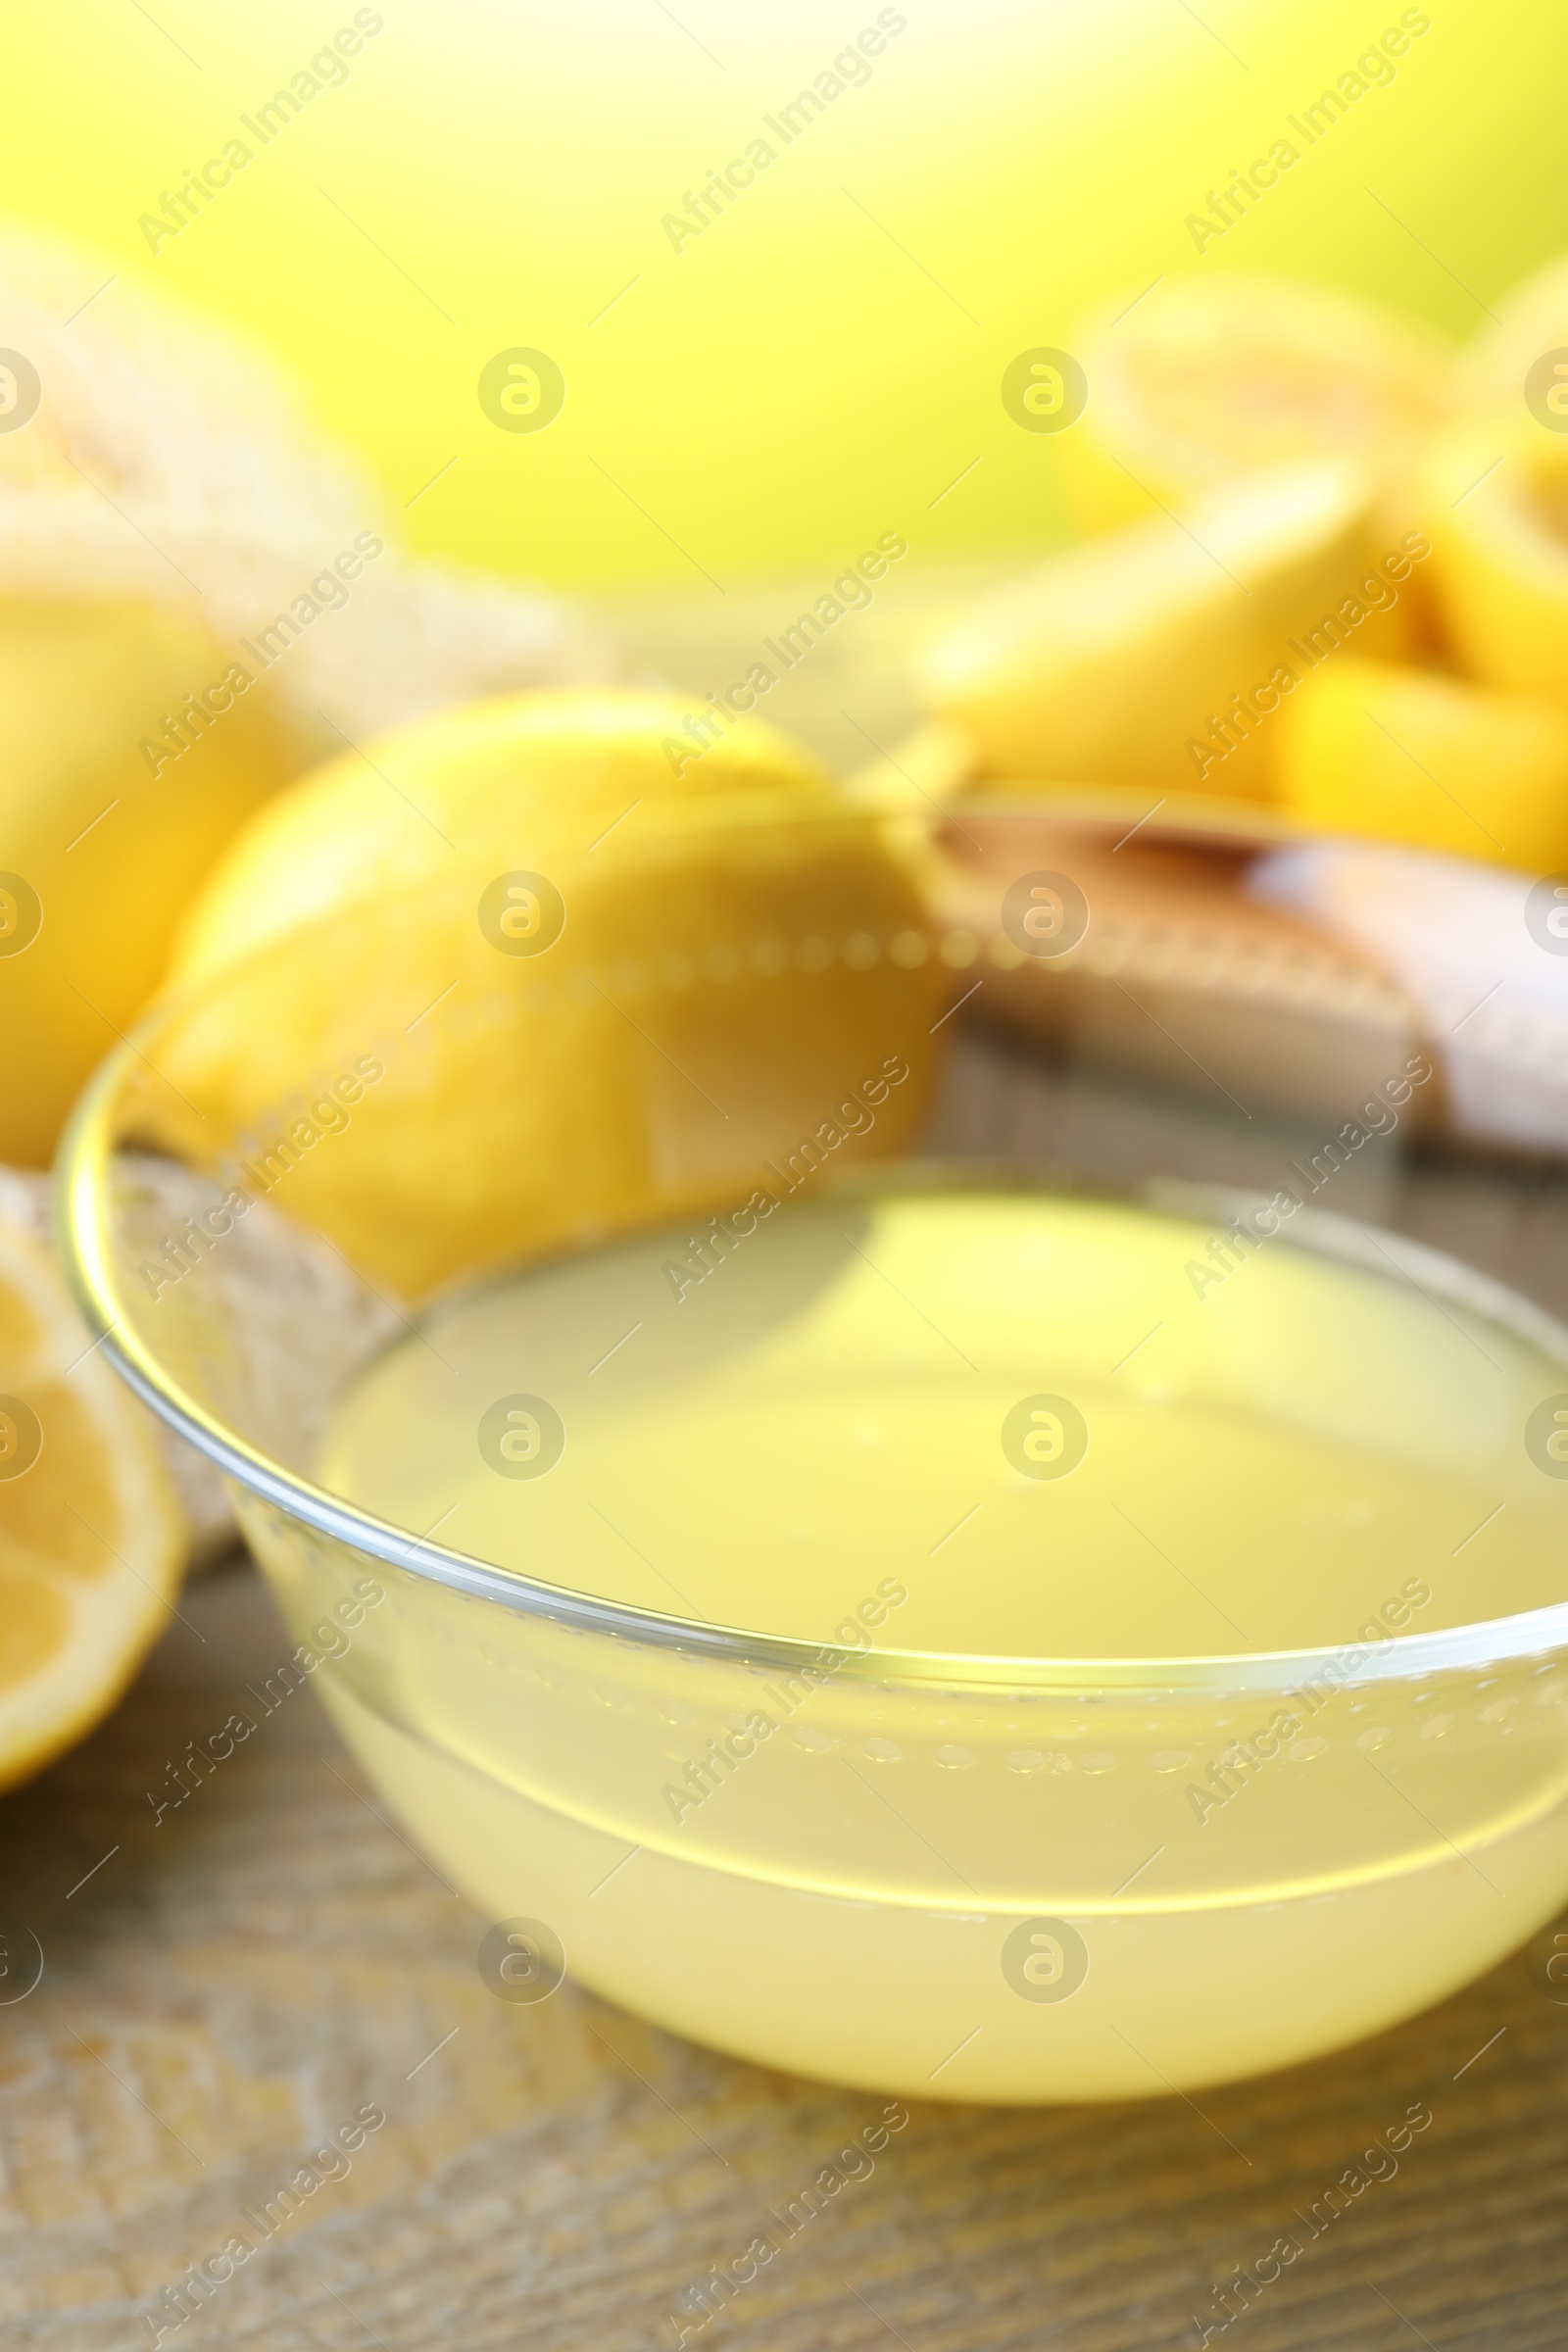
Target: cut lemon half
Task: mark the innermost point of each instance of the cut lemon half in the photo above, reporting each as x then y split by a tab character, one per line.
1519	359
91	1536
1211	377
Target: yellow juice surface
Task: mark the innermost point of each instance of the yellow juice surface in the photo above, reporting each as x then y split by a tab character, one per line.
1058	1427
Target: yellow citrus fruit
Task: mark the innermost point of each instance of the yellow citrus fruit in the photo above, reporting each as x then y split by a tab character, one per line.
1520	358
538	972
1500	551
102	841
1156	656
1215	376
1406	755
91	1538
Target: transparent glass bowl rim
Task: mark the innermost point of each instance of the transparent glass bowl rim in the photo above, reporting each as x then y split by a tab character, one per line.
84	1228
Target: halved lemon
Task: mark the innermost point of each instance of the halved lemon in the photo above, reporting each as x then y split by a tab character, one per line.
1214	376
1512	362
91	1536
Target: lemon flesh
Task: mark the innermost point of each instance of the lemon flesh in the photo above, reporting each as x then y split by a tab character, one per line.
1211	377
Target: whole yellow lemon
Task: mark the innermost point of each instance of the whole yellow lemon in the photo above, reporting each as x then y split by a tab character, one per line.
132	752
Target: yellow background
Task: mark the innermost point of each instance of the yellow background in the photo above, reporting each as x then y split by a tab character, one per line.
791	383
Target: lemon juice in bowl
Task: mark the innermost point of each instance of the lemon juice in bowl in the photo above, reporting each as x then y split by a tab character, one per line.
928	1630
912	1437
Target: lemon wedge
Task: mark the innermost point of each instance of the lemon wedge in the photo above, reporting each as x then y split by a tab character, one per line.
91	1538
1156	654
1398	754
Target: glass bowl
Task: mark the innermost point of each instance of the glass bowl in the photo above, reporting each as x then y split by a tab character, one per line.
960	1874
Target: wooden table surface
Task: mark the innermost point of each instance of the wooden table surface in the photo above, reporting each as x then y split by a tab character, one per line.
224	1986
